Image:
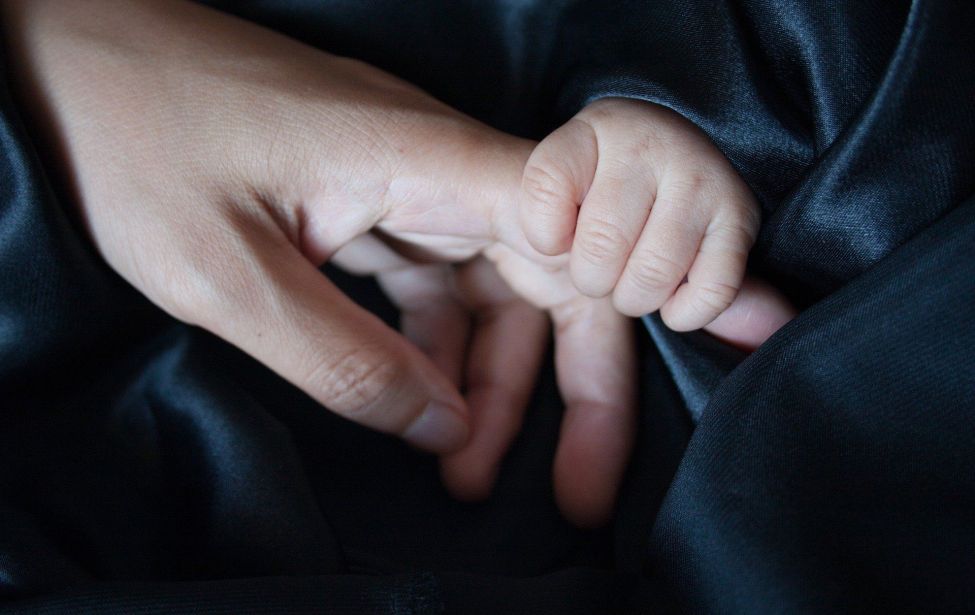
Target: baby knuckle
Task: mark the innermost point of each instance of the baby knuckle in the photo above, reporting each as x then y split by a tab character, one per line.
544	187
677	200
715	297
734	237
749	213
633	304
750	222
655	273
602	242
692	185
676	321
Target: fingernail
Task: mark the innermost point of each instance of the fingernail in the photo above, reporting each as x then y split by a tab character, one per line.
439	429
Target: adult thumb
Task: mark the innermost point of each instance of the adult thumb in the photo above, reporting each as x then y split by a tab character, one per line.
276	306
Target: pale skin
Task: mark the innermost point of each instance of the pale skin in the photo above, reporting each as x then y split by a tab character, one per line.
217	165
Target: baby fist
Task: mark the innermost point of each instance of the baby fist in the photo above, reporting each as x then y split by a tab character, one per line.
649	209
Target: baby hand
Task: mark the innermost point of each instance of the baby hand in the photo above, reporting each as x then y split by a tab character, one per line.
650	210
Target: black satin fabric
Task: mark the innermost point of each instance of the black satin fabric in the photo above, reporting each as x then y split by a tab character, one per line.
148	467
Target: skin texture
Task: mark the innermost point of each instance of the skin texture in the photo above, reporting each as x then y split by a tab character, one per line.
217	165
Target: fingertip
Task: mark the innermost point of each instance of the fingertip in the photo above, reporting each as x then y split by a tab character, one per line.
592	455
680	319
467	477
695	306
547	214
470	473
440	428
584	512
631	304
547	242
588	280
757	313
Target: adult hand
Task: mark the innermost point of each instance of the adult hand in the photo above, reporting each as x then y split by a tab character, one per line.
443	307
218	164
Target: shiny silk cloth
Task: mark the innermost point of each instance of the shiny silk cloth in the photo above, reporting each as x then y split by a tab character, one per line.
146	466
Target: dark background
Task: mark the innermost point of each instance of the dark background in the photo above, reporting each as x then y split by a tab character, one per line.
146	466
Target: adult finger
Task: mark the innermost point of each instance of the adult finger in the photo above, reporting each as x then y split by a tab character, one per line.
430	316
595	361
263	296
508	343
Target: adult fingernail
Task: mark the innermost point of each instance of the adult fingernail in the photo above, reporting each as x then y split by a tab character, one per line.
440	429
